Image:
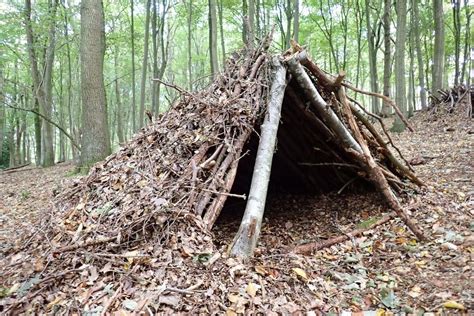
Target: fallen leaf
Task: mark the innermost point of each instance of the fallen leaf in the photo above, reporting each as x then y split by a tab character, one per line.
301	273
252	289
453	304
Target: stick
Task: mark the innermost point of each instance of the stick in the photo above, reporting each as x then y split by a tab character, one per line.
246	238
315	246
322	108
375	172
386	99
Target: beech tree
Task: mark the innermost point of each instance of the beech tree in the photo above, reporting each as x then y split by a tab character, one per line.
95	143
400	86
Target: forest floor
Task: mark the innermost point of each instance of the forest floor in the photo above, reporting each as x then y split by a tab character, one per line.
384	269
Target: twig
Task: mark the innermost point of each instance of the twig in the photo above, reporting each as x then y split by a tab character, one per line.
111	301
386	99
315	246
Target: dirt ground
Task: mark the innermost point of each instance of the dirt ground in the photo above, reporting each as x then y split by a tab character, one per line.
385	269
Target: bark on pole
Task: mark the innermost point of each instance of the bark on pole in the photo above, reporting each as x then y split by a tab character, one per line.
323	109
246	239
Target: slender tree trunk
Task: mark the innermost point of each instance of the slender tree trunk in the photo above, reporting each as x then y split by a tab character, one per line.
132	38
419	55
467	38
37	123
48	159
296	21
411	78
359	40
190	48
456	4
2	112
220	8
251	22
438	58
95	134
387	64
400	93
154	41
75	153
289	16
37	88
118	106
374	86
245	9
213	37
145	64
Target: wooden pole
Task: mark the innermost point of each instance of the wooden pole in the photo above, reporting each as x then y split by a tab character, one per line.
246	239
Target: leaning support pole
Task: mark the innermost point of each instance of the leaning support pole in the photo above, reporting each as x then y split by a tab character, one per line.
245	241
323	109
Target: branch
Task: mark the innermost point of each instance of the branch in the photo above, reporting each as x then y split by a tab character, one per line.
73	142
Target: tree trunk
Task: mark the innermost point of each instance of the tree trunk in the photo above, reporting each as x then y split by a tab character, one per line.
95	138
400	86
296	21
411	76
189	52
37	123
132	37
118	106
387	64
245	9
419	55
220	8
145	64
251	30
456	4
213	38
154	41
246	239
2	113
74	150
467	37
48	159
289	16
372	59
438	58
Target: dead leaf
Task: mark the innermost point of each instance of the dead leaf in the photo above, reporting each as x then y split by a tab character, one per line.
453	305
252	289
301	273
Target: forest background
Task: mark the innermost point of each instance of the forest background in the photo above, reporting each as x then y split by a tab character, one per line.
404	49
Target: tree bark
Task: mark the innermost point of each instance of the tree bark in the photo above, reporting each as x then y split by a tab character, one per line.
438	58
95	138
467	37
419	55
296	21
372	59
387	64
154	42
48	159
213	38
189	21
220	8
144	64
400	86
246	239
132	37
2	113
